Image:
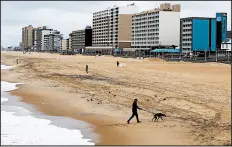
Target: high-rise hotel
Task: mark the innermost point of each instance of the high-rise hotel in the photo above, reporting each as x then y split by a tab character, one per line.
156	27
112	26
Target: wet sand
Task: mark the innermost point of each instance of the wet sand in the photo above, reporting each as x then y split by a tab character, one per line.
195	96
25	116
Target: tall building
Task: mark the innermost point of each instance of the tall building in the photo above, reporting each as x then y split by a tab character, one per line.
70	43
81	38
112	26
65	44
200	34
39	37
156	27
27	37
46	39
53	42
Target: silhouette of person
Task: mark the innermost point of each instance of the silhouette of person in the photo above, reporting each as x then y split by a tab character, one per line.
134	111
87	69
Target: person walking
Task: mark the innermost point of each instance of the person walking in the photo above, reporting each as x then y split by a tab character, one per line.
117	63
17	61
87	69
134	111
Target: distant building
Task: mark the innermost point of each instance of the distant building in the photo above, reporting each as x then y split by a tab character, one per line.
46	39
39	37
81	38
52	42
65	44
27	38
16	48
199	34
21	45
70	43
226	45
156	27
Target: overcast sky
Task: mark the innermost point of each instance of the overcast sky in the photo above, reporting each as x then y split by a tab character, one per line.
71	15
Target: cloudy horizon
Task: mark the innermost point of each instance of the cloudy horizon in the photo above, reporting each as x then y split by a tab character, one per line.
74	15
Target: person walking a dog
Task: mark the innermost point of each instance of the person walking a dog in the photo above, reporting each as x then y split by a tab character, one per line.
134	111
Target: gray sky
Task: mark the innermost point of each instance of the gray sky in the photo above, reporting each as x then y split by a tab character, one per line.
71	15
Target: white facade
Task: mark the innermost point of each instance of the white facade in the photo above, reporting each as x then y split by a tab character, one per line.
186	35
155	27
44	32
105	24
226	45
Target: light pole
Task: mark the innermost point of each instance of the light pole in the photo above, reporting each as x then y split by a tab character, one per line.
216	54
205	54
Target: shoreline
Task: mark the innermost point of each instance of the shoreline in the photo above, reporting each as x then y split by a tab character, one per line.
26	98
52	96
61	123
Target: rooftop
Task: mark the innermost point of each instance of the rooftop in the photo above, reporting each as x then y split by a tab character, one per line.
197	18
161	9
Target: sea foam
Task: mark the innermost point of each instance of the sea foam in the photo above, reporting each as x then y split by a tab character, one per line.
29	130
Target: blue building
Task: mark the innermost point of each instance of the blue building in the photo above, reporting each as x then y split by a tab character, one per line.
199	34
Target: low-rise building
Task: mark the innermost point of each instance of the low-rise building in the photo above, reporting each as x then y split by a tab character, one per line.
200	34
226	45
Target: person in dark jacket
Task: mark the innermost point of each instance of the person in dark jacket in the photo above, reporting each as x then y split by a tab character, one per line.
117	63
87	69
134	111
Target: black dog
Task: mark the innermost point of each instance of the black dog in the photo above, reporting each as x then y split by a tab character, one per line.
157	116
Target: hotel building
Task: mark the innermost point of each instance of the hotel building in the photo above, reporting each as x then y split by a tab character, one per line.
81	38
112	26
39	37
27	37
52	42
200	34
156	27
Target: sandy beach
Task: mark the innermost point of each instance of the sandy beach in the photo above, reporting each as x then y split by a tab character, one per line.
196	97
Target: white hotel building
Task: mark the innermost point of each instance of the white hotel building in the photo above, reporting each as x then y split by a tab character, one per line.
157	27
112	26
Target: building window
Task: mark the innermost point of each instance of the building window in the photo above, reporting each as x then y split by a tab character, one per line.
226	45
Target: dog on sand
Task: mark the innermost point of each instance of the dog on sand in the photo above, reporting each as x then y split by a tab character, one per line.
158	116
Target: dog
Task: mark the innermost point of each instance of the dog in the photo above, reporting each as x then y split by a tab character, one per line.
158	116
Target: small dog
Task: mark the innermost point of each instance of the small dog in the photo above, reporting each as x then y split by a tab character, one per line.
157	116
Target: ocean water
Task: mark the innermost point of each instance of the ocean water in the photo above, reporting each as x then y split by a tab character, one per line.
22	124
